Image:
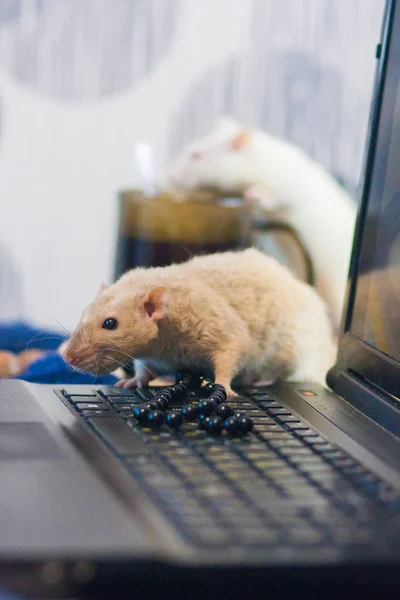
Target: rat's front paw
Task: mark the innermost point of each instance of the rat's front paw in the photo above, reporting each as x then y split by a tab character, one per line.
133	383
262	197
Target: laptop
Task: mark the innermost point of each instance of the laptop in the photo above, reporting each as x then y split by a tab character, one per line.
93	504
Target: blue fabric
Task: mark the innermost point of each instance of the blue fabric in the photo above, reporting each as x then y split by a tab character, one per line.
18	336
49	368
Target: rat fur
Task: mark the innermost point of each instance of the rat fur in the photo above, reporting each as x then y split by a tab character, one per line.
279	177
239	315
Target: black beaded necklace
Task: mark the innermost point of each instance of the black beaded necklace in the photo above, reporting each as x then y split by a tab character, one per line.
211	413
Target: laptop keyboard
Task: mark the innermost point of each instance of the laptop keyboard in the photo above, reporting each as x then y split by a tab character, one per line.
282	485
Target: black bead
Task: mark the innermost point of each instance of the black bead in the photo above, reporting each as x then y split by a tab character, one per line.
141	414
207	387
174	419
185	383
217	397
156	418
151	405
245	424
224	410
201	419
179	391
206	407
213	424
166	394
231	425
196	379
161	403
239	414
190	412
220	391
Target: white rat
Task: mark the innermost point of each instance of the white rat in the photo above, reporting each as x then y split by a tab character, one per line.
288	184
239	315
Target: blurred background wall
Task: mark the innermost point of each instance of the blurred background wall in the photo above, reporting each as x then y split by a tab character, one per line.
82	80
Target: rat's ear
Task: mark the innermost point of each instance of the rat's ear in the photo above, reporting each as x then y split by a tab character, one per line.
156	302
228	124
240	140
103	287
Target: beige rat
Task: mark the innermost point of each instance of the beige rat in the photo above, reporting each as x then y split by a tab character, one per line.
241	315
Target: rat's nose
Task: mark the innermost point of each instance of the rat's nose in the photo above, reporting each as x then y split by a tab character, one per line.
71	358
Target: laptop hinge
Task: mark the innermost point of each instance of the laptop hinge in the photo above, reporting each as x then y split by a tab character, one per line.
373	402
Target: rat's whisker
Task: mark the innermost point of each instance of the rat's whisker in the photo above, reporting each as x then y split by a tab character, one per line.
116	350
41	337
105	366
64	331
129	356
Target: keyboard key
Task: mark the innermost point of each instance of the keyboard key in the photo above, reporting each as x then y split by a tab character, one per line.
274	435
340	463
241	399
296	451
308	459
97	413
115	392
329	451
212	536
126	414
90	406
268	428
314	439
119	401
287	419
304	536
118	434
355	471
316	467
256	536
83	399
256	458
276	468
285	443
301	490
124	407
254	413
300	429
278	410
78	391
262	419
146	393
266	404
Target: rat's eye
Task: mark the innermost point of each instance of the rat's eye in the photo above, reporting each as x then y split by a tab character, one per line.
110	324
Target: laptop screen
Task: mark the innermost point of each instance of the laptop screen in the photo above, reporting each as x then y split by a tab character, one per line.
376	310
